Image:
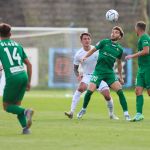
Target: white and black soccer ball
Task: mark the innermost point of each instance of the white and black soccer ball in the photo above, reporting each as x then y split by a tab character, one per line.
112	15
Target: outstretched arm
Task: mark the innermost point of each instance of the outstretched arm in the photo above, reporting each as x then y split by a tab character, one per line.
89	53
144	52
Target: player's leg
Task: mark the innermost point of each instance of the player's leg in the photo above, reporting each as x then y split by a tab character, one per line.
140	84
95	80
116	86
76	97
12	97
104	90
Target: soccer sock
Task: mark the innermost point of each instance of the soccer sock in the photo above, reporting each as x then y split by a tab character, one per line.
22	120
19	111
75	100
139	103
110	106
122	100
87	98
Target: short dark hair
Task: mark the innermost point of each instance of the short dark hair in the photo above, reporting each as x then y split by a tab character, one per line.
5	29
84	33
120	30
141	25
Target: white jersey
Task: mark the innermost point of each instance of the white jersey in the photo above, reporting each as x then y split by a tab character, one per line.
88	65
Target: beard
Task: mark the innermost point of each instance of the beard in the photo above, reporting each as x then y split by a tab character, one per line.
114	39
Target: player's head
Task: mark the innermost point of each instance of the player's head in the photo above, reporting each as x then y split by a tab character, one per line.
85	39
140	27
5	30
117	33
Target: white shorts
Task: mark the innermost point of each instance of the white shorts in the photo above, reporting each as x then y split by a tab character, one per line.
103	85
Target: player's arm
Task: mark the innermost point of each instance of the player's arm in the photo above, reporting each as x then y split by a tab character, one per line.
75	68
89	53
29	72
144	52
119	65
79	77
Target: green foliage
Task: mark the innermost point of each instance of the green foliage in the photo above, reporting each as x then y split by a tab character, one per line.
51	130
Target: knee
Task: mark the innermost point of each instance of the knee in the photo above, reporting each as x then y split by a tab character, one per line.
81	90
106	95
138	92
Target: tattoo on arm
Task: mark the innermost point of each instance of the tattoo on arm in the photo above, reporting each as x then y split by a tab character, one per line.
76	70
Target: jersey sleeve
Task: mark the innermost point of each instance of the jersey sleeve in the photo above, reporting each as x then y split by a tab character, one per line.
76	60
100	44
145	42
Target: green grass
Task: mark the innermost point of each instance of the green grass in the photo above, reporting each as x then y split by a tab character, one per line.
51	130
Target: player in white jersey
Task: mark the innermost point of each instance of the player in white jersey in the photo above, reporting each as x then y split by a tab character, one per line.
88	67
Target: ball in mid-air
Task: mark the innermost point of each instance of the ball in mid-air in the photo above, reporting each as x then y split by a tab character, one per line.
112	15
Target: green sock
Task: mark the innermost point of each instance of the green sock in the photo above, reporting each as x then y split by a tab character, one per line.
15	109
22	120
139	103
19	111
122	100
87	98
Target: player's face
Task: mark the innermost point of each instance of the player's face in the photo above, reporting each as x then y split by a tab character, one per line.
115	35
86	41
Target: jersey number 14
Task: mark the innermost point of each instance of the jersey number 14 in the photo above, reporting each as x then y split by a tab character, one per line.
15	56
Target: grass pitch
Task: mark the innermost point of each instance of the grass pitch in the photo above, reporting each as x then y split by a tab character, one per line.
51	130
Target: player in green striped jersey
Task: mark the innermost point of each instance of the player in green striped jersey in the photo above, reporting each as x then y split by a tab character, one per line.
143	75
13	57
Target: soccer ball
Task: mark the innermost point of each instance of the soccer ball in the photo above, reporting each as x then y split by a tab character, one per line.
112	15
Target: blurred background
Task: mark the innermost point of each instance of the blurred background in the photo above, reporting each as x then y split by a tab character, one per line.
56	25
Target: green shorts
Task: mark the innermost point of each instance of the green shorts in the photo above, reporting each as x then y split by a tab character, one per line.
109	78
15	88
143	79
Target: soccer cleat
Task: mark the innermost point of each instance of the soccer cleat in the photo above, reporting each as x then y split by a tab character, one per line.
81	113
138	117
127	117
69	114
26	131
29	114
113	117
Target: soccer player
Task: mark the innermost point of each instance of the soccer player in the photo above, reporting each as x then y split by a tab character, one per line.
12	57
109	51
84	79
143	74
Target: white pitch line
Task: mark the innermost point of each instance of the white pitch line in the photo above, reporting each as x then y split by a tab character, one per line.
49	95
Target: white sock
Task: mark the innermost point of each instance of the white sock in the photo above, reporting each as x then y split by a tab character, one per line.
75	100
126	113
110	106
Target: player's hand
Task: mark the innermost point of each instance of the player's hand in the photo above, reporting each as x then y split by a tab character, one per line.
128	57
28	87
83	59
121	80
